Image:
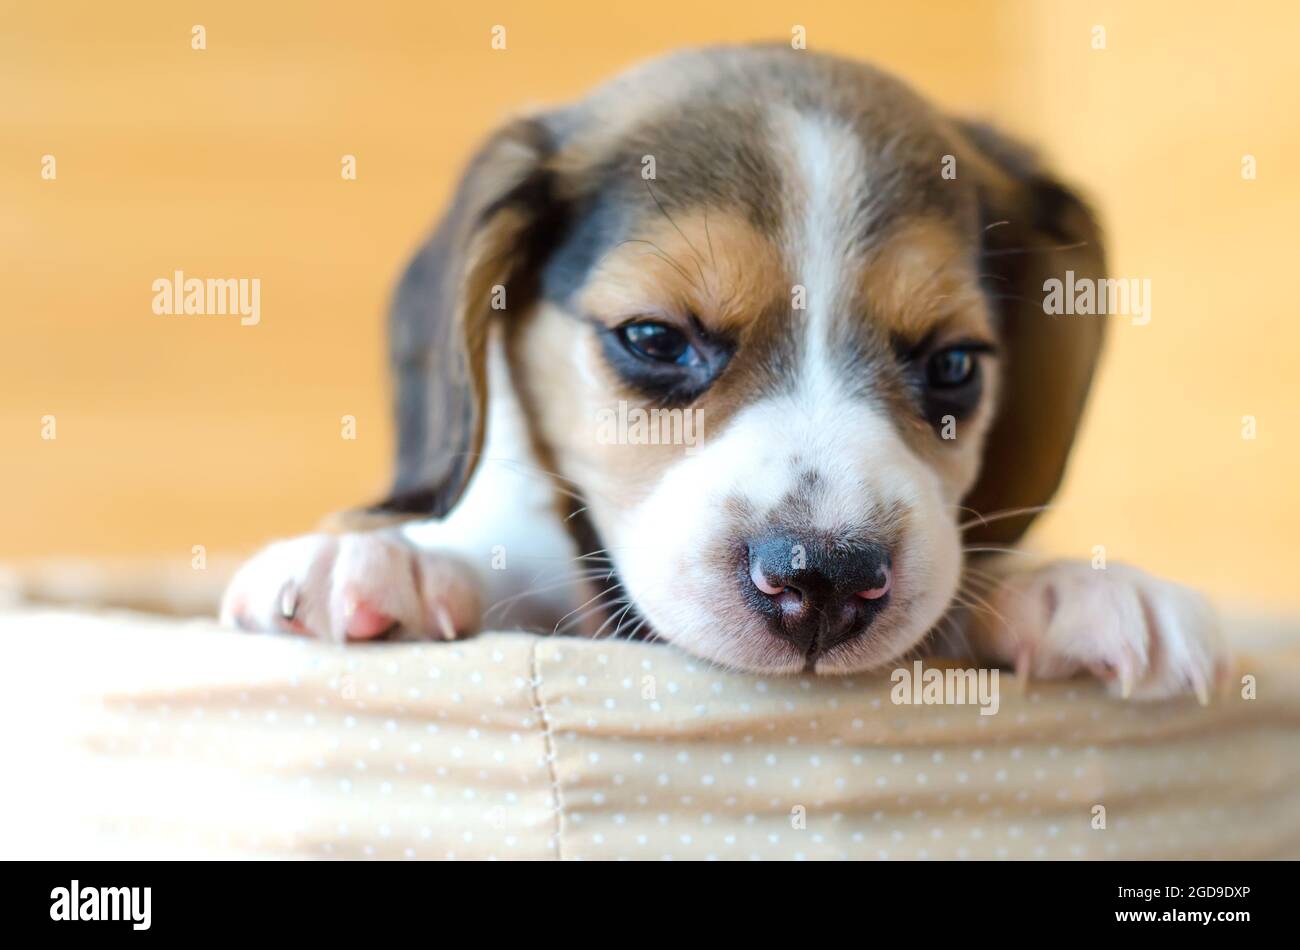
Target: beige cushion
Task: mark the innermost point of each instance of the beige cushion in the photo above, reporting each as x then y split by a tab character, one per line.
132	736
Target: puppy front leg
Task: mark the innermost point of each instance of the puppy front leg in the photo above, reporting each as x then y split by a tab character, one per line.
1146	637
502	545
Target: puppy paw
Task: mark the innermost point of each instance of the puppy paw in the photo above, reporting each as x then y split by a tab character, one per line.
1147	638
353	587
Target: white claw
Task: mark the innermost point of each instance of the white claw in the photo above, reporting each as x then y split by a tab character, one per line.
445	626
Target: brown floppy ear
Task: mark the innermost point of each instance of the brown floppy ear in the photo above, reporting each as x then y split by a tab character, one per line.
1034	230
478	259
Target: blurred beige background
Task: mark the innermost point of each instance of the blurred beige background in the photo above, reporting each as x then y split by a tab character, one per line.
174	431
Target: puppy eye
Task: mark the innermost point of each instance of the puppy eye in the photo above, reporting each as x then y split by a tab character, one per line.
659	343
951	367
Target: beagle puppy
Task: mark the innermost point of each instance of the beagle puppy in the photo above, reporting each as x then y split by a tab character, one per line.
835	293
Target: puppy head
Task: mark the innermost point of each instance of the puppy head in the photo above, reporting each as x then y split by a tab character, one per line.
781	325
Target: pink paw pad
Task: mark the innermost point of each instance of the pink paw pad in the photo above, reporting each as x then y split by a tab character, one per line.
364	622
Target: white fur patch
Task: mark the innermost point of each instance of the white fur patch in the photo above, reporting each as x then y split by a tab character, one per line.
827	161
506	526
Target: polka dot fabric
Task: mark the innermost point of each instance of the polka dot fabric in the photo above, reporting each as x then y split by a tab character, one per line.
137	737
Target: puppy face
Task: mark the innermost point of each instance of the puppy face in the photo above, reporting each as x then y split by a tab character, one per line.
801	296
823	347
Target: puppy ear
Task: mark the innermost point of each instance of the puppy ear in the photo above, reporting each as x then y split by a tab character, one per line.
477	260
1034	230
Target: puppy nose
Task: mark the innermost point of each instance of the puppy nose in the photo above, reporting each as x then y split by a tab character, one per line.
818	593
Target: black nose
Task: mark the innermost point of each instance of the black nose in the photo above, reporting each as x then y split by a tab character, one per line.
817	592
